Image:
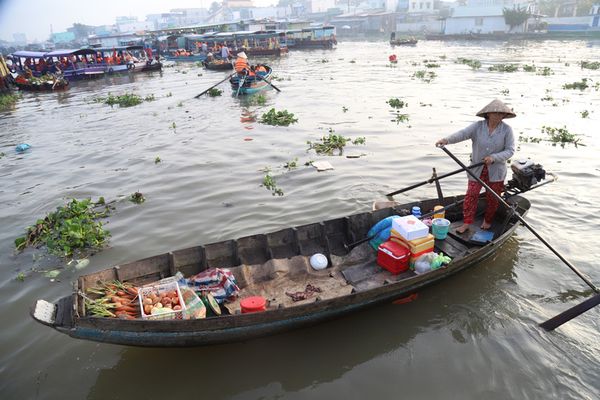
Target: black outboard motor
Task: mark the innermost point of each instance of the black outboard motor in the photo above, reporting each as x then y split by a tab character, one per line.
526	174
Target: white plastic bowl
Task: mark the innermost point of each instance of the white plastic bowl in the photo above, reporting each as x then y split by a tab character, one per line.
318	261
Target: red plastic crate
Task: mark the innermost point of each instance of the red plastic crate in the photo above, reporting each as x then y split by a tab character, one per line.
393	257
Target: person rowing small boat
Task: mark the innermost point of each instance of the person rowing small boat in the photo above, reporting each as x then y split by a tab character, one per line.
493	143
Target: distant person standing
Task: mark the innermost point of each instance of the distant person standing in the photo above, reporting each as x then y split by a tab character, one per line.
204	47
225	52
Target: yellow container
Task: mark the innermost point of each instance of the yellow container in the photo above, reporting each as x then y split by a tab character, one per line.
416	245
441	214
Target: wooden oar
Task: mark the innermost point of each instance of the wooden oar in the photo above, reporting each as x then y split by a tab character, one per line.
571	313
229	76
577	310
269	83
430	180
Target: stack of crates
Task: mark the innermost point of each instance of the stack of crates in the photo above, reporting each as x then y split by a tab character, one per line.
414	235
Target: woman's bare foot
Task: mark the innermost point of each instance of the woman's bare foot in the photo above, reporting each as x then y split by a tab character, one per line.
485	225
463	228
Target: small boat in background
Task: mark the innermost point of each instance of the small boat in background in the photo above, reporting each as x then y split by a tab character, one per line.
402	41
218	65
243	84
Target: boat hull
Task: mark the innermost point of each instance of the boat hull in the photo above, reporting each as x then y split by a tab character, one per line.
65	315
251	84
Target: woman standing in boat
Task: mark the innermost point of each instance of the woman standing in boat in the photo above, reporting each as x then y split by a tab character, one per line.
493	143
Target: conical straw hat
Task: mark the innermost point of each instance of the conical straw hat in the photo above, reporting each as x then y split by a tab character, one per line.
497	106
242	54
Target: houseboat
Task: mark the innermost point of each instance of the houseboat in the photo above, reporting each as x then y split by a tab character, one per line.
311	38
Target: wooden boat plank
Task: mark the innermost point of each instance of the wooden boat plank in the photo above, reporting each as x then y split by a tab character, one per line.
253	249
189	261
221	255
144	270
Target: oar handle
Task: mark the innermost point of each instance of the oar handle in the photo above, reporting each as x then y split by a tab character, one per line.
416	185
505	204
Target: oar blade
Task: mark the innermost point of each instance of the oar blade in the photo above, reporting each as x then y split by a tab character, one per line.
571	313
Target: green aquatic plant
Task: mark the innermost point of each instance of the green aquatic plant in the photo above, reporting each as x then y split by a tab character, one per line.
124	100
432	65
328	144
585	114
400	118
157	160
291	164
279	118
8	100
581	85
20	277
150	97
137	198
260	99
72	227
396	103
214	92
504	68
590	64
344	109
425	76
529	68
270	184
545	71
561	136
474	64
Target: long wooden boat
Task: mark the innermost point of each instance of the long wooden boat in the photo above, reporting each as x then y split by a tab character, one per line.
251	84
272	265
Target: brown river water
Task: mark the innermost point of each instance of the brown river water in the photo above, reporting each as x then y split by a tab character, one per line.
473	336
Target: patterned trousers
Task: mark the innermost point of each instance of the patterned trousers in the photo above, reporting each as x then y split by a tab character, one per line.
472	196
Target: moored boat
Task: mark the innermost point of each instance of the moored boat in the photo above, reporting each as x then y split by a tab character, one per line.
276	266
311	38
243	84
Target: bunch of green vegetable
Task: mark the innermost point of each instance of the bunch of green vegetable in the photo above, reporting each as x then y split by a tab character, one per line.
280	118
74	226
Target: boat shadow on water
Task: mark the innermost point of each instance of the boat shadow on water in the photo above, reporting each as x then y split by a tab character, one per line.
303	358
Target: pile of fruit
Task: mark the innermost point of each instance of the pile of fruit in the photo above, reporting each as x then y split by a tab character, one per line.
156	300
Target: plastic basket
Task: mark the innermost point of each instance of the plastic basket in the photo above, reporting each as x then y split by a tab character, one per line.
158	289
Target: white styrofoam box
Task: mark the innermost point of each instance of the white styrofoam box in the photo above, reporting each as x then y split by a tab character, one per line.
410	227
